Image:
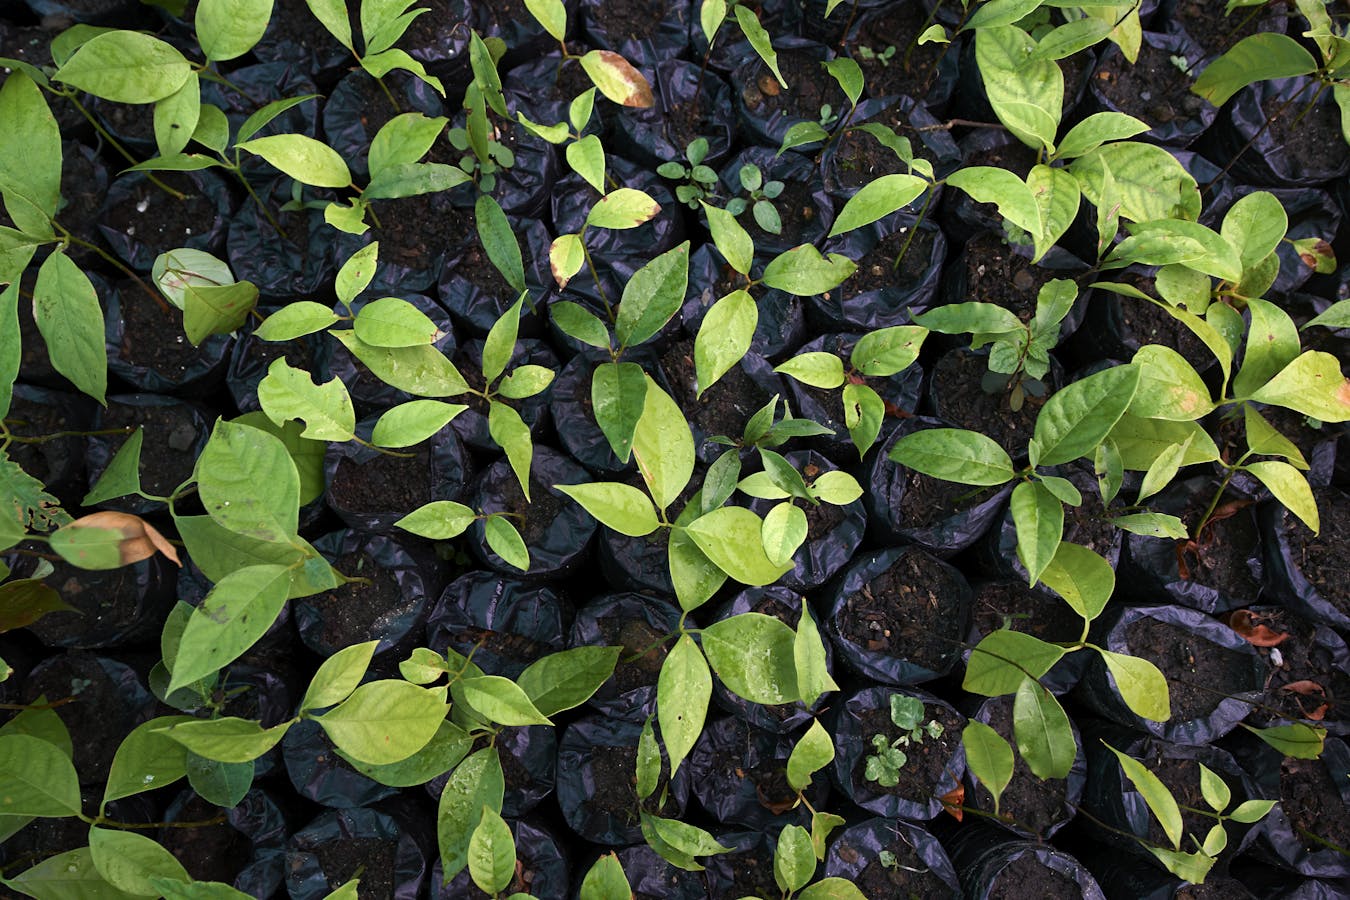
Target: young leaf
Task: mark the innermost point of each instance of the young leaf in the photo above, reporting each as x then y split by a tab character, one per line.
1313	385
953	454
753	655
1290	488
724	337
587	159
413	422
499	241
618	398
664	446
794	860
385	721
126	67
621	507
579	323
1258	57
499	700
249	484
67	313
876	200
305	159
1039	519
356	273
652	295
622	208
505	541
1042	731
338	676
500	343
803	272
783	531
682	693
492	853
732	537
1001	659
326	409
475	783
1214	790
1076	419
605	880
988	757
1140	684
863	412
808	656
1096	130
566	256
568	678
1155	794
813	751
817	369
509	431
228	740
730	239
234	615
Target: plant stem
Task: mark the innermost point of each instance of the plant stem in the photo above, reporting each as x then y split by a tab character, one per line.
116	145
117	263
1253	139
914	229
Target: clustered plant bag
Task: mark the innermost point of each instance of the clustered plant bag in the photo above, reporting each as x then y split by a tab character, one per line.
595	450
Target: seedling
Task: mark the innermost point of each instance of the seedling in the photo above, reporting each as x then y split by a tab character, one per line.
760	200
887	759
884	57
700	181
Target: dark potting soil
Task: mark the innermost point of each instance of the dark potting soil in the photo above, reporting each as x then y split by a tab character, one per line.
1218	558
928	501
902	613
297	353
796	211
1182	778
913	69
152	335
1324	559
209	852
293	23
385	482
926	761
769	777
1313	802
635	20
809	88
375	857
821	519
861	159
94	707
1027	801
614	770
751	875
415	232
167	452
81	201
515	776
725	407
351	612
103	600
1303	680
1154	89
127	121
1027	878
878	270
832	400
1312	136
474	266
1012	605
158	220
1149	323
434	30
964	402
502	12
995	274
516	647
1199	673
57	455
635	636
1216	887
1206	24
1087	525
687	120
909	878
536	516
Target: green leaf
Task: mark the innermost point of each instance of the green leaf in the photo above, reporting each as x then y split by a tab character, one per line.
997	662
442	753
996	13
67	313
551	14
753	655
587	159
1042	732
499	700
619	506
1026	92
832	888
651	296
971	318
1078	417
228	739
1250	811
385	721
66	876
1214	790
783	532
123	475
876	200
391	322
648	768
1255	225
1169	387
474	784
338	676
1096	130
1058	197
732	538
1140	441
249	484
1272	343
566	255
953	454
505	541
218	551
605	880
402	141
1082	577
803	272
1299	740
1140	684
731	240
439	520
332	15
356	273
1148	181
849	75
622	208
837	488
617	79
510	432
492	853
1015	202
1290	488
224	784
36	778
227	29
290	394
1164	241
1155	794
664	446
724	337
1039	519
1313	385
888	351
1337	315
235	614
295	320
813	751
1161	472
499	240
683	690
125	67
816	368
579	323
1152	525
810	661
216	309
568	678
988	757
1258	57
695	577
525	381
683	837
422	371
129	860
500	343
759	39
413	422
794	860
305	159
30	159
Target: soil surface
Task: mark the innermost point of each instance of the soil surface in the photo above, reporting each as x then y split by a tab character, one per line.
375	857
635	20
386	483
877	270
614	770
354	612
909	877
725	407
1324	559
809	88
168	450
1026	878
1315	803
158	221
961	400
152	336
1200	674
210	852
1311	136
928	501
913	68
905	612
1027	801
926	761
1155	89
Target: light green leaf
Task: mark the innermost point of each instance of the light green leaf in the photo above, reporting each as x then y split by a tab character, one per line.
876	200
305	159
568	678
1042	731
953	454
295	320
605	880
129	860
500	700
36	778
500	342
783	532
1140	684
505	541
1161	472
1298	740
1039	518
1096	130
1149	182
651	296
1076	419
175	117
1155	794
996	13
1015	202
888	351
492	853
249	484
683	690
474	784
618	80
1169	387
439	520
731	240
326	409
413	422
30	158
1258	57
422	371
1026	92
997	662
815	368
812	665
1082	577
332	15
813	751
66	876
234	615
125	67
67	313
510	432
664	446
1250	811
392	322
1214	790
1058	197
566	256
753	655
794	860
356	273
551	14
227	29
803	272
228	739
732	537
1152	525
622	208
619	506
759	39
1140	441
1313	385
338	676
724	337
832	888
1255	225
618	398
1272	343
1290	488
587	159
579	323
695	577
385	721
216	309
988	757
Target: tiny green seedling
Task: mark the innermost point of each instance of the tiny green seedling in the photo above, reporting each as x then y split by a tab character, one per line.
760	201
887	758
700	181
